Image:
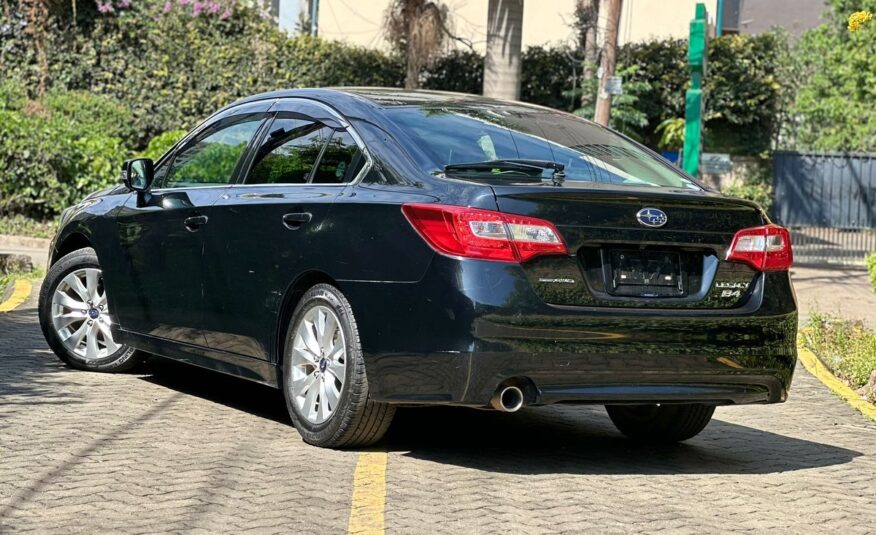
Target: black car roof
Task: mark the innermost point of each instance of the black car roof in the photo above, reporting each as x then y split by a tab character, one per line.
350	100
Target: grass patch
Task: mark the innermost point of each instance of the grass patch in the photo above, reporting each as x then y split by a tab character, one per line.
871	267
18	225
847	348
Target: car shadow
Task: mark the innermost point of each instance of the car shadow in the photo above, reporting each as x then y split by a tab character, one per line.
580	439
560	439
239	394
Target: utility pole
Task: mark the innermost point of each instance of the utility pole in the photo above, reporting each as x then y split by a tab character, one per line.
609	56
314	17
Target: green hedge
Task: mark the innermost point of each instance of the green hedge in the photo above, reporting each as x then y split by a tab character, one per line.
54	152
742	88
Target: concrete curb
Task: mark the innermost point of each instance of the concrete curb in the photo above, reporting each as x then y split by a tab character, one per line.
23	242
21	290
814	366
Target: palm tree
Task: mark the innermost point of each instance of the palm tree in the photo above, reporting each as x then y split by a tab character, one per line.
419	29
504	42
37	12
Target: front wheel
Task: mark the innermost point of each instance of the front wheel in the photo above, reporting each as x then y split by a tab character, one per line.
75	316
324	380
660	423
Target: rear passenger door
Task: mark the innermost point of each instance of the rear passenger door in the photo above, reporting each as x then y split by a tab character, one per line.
271	227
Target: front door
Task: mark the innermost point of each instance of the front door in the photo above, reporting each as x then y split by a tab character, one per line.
273	226
162	232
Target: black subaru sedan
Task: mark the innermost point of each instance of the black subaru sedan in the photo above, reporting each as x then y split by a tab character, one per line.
363	249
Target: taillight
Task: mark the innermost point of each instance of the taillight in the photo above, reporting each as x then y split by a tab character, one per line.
484	234
766	248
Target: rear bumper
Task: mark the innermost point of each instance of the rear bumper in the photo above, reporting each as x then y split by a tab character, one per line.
468	326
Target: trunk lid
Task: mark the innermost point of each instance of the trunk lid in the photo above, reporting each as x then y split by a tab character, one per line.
617	261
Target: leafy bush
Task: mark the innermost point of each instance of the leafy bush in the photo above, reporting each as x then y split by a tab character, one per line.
460	70
548	75
162	143
49	156
743	94
847	348
757	186
871	268
834	106
758	192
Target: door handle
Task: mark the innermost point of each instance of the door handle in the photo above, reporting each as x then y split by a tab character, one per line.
195	222
297	220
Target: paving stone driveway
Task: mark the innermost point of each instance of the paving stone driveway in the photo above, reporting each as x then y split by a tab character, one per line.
177	449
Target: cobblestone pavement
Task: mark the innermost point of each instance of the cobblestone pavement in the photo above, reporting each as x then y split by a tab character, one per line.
842	291
172	448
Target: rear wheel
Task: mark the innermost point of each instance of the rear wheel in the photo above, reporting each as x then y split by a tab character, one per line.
75	316
660	423
324	380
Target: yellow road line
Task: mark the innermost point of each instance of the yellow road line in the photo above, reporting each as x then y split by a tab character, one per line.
20	293
369	494
816	368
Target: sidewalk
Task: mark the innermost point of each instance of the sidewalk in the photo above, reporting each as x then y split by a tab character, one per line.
839	291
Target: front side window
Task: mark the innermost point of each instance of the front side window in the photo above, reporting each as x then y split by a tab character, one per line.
470	134
213	156
289	152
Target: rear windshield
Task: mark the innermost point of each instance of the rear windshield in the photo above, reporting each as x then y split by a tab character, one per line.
463	134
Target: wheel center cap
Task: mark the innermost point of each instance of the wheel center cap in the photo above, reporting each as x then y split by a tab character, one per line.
323	364
93	313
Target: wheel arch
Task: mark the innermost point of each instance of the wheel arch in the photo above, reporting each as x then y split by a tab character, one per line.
291	298
71	242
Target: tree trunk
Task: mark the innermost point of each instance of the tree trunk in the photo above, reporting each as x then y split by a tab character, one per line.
37	27
504	42
413	68
609	52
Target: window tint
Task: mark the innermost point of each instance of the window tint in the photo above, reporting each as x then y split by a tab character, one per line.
341	161
212	157
289	152
466	134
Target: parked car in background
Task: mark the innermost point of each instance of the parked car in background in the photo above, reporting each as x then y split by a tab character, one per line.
362	249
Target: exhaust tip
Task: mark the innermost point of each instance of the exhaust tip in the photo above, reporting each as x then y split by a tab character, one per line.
508	399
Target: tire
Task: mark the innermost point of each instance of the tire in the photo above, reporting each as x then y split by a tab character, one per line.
350	418
660	423
95	350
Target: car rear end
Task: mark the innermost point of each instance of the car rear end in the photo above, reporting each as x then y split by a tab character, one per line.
623	313
628	285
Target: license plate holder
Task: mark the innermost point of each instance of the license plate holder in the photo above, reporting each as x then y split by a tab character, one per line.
644	273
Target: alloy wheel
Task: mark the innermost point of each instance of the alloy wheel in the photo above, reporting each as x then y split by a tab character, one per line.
319	363
80	315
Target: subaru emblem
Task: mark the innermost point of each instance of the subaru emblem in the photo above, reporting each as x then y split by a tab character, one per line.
651	217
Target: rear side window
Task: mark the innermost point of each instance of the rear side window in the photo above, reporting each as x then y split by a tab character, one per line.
289	152
213	156
341	161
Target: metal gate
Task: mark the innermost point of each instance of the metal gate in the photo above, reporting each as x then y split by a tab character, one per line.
828	201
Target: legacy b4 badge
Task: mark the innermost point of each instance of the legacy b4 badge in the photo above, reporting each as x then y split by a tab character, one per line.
730	289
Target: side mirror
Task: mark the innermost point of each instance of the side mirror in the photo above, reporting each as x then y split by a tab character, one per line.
138	174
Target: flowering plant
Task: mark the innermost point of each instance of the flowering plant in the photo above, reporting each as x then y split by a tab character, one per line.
858	19
221	9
